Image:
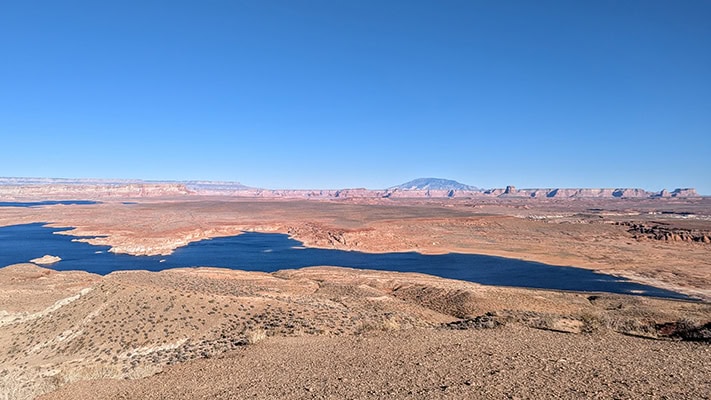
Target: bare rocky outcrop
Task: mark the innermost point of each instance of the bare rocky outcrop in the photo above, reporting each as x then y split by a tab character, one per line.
667	233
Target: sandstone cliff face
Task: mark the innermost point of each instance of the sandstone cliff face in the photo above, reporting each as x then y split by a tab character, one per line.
686	192
560	193
92	191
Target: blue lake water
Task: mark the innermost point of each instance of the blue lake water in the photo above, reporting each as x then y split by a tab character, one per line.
270	252
45	203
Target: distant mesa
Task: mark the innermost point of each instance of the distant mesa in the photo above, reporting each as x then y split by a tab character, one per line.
561	193
214	185
685	192
434	184
46	260
19	189
86	191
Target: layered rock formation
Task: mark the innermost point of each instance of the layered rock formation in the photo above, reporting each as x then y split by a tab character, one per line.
685	192
559	193
92	191
19	188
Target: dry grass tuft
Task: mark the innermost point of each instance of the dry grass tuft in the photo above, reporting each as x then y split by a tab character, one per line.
256	336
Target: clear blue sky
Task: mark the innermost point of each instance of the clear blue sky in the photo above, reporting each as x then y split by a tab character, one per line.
335	93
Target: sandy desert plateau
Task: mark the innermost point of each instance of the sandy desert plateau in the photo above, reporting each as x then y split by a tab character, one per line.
328	332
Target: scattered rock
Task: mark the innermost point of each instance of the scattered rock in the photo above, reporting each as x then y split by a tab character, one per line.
486	321
567	325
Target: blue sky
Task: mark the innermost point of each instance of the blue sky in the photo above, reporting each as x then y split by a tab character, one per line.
335	93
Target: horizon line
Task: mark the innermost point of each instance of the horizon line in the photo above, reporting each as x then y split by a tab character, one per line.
88	180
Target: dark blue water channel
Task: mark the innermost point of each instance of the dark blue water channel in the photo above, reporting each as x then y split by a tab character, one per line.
270	252
45	203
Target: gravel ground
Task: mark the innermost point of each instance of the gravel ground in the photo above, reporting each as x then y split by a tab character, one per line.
511	362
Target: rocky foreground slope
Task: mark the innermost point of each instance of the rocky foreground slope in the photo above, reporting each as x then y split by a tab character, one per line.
504	363
335	333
